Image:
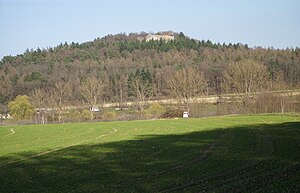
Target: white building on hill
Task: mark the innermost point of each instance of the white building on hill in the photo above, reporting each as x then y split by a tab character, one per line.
158	37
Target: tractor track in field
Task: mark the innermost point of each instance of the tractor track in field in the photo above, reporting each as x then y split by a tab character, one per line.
57	149
205	153
12	131
248	173
236	173
233	184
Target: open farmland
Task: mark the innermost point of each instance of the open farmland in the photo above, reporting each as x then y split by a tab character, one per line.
218	154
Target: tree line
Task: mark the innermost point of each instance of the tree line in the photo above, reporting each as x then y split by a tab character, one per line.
121	68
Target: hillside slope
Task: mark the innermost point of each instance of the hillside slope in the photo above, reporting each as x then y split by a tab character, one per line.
114	56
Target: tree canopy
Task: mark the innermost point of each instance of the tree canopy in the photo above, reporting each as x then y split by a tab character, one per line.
127	56
21	108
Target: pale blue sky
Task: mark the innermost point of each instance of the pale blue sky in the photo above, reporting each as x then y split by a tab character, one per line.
46	23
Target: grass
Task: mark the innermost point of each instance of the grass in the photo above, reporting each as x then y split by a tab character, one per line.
216	154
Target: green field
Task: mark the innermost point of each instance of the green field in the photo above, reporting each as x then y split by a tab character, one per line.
217	154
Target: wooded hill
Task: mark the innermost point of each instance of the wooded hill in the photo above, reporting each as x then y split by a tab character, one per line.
119	58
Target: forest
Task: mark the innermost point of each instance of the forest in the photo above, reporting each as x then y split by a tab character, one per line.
122	68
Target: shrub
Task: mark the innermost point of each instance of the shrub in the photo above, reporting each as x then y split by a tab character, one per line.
172	113
73	115
110	114
155	110
21	108
86	115
271	103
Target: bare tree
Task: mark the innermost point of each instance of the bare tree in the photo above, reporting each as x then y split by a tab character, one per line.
245	77
278	83
142	91
92	89
185	85
59	95
38	99
122	89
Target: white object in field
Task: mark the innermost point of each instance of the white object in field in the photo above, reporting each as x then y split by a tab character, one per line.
95	109
185	114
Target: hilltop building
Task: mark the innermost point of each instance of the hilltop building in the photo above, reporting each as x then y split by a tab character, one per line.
165	37
158	37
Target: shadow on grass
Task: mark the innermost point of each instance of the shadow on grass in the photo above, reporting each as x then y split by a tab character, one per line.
250	158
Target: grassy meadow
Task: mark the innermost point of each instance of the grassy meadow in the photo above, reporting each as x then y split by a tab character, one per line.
258	153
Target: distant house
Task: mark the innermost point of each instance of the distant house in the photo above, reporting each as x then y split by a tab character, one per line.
158	37
155	37
5	116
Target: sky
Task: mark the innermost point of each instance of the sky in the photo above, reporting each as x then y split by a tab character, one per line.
47	23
